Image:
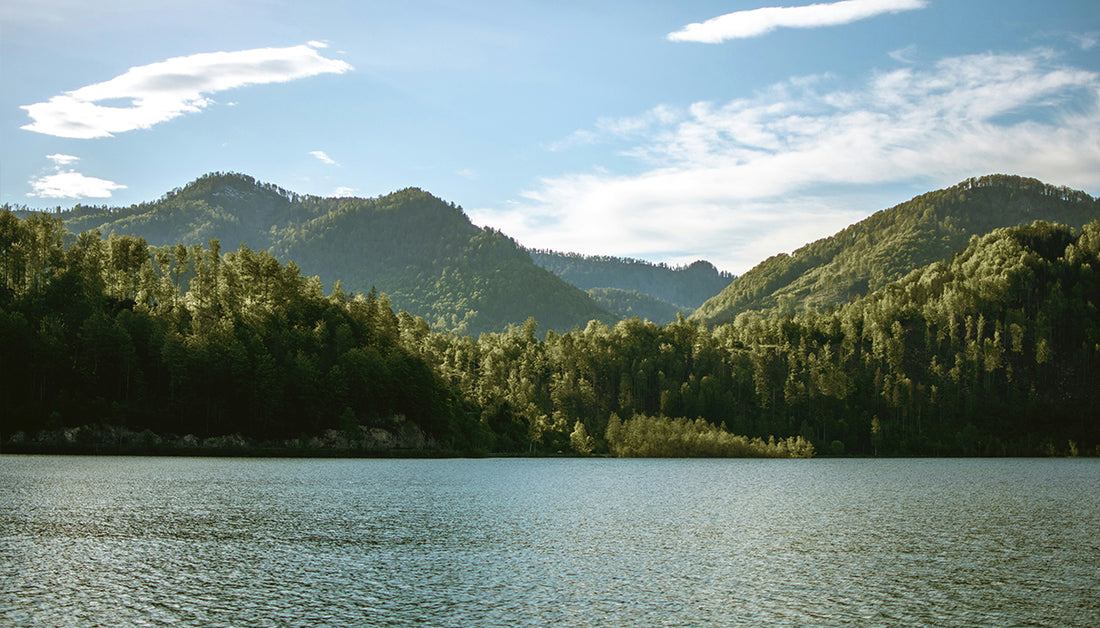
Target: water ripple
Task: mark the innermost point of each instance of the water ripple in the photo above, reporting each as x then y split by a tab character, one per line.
201	542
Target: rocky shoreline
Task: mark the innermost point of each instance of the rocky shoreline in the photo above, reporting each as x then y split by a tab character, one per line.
404	440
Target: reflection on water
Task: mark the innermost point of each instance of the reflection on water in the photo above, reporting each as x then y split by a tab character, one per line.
249	542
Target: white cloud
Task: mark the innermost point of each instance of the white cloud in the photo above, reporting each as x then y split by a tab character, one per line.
756	22
322	156
162	91
72	185
1087	41
580	137
905	55
736	182
343	191
617	127
62	160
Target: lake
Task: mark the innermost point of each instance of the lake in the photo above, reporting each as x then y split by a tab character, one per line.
130	541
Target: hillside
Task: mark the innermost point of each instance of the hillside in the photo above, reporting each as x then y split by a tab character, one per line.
422	252
232	208
686	288
991	352
893	242
434	263
625	304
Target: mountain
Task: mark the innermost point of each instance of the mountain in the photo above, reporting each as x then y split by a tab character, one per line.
232	208
624	304
423	252
434	263
892	242
993	351
684	288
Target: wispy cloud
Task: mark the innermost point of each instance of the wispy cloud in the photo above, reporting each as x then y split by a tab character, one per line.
162	91
62	160
1086	41
906	55
322	156
70	184
739	181
756	22
618	127
343	191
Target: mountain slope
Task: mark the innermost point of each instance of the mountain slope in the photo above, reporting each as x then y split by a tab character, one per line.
421	251
433	262
231	207
892	242
624	304
686	287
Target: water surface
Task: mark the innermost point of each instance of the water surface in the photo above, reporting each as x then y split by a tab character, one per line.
575	542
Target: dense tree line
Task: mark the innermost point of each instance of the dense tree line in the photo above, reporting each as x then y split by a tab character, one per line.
994	352
685	287
189	340
623	304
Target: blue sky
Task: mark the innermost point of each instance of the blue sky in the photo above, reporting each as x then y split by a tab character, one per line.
668	131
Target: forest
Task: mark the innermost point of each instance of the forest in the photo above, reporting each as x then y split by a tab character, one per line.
188	340
992	350
420	250
892	242
630	287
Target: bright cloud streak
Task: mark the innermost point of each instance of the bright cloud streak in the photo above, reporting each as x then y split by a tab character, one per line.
62	160
738	182
72	185
322	156
756	22
162	91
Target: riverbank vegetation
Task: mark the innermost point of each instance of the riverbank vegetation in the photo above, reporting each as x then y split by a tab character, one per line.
994	351
187	340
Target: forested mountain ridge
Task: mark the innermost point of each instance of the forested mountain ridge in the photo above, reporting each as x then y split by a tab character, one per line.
994	351
684	288
625	304
434	263
421	251
229	207
892	242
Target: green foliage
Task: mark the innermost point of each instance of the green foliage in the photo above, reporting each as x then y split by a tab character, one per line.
992	350
891	243
683	288
97	332
579	439
661	437
424	253
624	304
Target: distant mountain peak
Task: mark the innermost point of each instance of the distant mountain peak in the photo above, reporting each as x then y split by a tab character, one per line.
680	287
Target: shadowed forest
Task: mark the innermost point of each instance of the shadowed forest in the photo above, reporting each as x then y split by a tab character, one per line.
993	350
